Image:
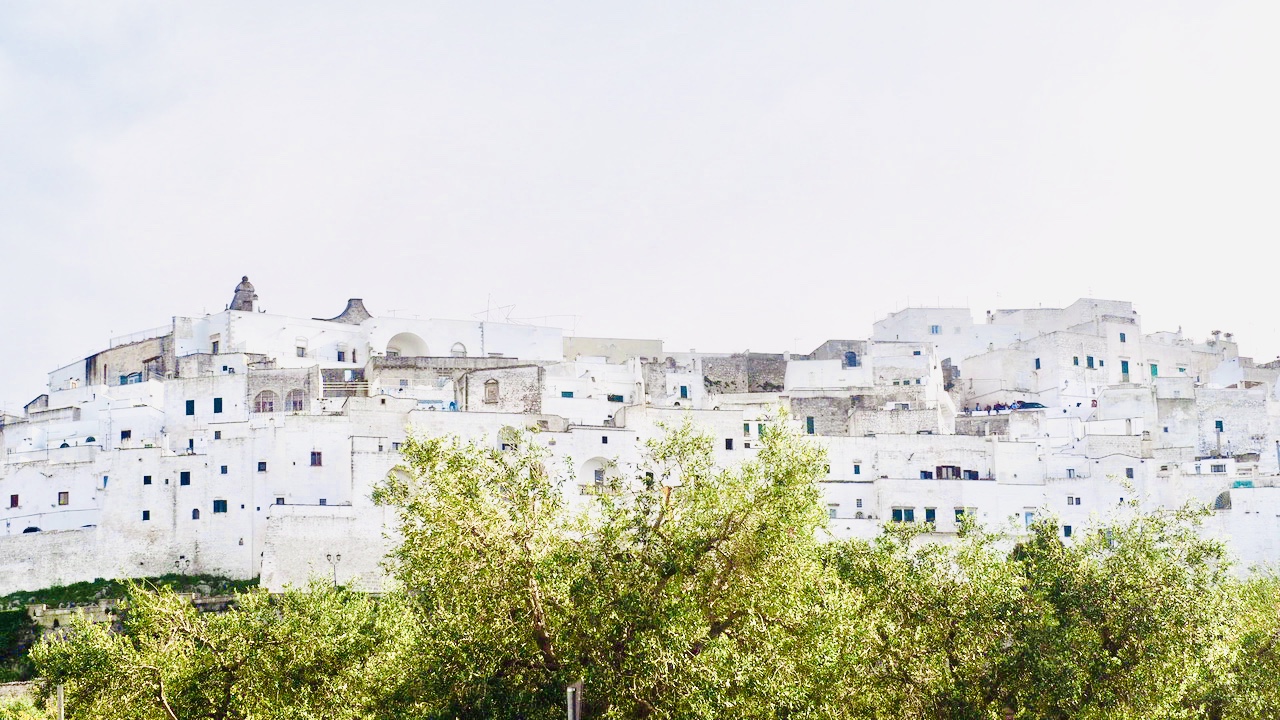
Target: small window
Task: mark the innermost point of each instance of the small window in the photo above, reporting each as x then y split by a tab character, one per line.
597	475
1155	370
265	402
1071	500
1071	472
684	391
126	434
1075	360
959	515
316	459
857	469
728	443
935	330
215	346
615	398
195	513
1128	472
324	501
262	466
1102	363
64	498
491	390
746	429
279	501
1066	531
857	503
604	439
1121	337
395	447
296	400
832	510
931	515
808	425
970	474
915	352
146	515
342	356
191	407
219	506
13	501
1028	517
1037	363
566	393
146	479
184	477
301	352
926	474
1218	425
217	434
222	470
217	405
897	515
1088	361
1221	468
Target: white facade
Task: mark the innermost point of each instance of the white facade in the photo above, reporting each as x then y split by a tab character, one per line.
243	443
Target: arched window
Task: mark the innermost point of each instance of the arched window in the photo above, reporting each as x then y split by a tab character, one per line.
459	350
195	513
1223	501
491	390
265	402
296	400
851	359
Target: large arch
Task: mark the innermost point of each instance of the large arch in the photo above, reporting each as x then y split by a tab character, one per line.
265	402
406	344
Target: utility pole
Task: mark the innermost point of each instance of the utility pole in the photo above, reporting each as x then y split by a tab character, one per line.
573	701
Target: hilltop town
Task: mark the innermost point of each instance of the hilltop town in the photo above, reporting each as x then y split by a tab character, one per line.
245	444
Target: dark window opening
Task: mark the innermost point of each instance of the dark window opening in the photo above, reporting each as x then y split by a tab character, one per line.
184	477
316	460
191	407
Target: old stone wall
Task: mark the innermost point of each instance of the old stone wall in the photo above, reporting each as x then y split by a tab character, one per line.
519	390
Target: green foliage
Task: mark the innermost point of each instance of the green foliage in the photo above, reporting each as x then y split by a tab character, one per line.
301	654
89	592
17	632
22	708
693	591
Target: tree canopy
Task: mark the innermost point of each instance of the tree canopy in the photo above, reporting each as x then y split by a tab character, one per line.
697	591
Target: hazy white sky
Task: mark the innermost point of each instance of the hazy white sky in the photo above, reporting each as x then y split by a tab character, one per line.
721	176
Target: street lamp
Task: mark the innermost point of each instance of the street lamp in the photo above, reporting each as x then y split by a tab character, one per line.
334	560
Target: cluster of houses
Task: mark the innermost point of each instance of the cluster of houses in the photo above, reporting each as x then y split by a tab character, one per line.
245	444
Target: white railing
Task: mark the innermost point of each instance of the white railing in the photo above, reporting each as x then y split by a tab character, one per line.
141	335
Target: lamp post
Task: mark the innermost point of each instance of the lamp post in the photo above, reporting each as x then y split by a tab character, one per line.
334	560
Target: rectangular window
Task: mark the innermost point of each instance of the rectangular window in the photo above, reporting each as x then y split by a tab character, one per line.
808	425
191	407
64	498
13	501
908	514
219	506
832	510
1218	468
935	329
1128	472
926	474
684	391
342	356
323	501
1217	425
970	474
216	345
566	393
615	398
604	439
915	352
191	444
1037	363
1066	531
222	470
857	469
316	459
395	447
1028	517
262	466
184	477
1075	360
959	515
1155	370
217	434
146	515
217	405
597	475
1121	337
760	429
897	515
1089	361
279	501
728	443
858	502
931	515
1071	472
746	429
302	352
126	434
146	479
1071	500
